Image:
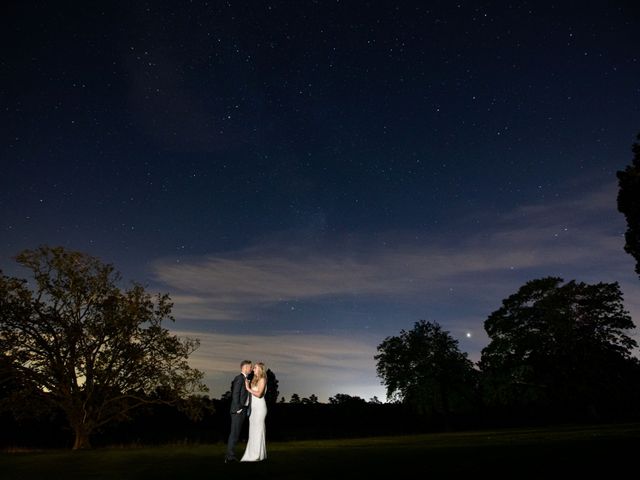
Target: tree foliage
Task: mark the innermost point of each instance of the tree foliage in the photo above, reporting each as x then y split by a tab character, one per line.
295	398
629	204
560	345
84	345
271	397
310	400
345	399
424	368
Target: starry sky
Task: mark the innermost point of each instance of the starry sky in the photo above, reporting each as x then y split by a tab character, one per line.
306	178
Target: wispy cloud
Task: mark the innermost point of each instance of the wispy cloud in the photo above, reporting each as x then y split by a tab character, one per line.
567	237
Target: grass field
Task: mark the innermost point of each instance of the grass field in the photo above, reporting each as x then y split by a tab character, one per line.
514	453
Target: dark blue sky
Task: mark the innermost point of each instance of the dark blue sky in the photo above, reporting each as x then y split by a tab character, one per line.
308	177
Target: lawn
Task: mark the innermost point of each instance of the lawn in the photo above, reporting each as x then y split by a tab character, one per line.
512	453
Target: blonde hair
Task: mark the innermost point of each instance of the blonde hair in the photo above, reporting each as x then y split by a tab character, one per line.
261	372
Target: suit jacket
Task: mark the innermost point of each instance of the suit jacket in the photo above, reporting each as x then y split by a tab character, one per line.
239	395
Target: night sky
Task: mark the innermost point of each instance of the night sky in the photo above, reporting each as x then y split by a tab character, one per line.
305	178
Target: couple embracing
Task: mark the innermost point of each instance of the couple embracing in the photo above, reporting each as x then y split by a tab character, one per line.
247	400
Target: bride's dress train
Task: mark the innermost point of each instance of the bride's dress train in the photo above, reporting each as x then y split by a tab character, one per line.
256	446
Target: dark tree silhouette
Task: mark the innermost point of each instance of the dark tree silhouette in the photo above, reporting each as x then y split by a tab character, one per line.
295	398
88	347
312	400
344	399
11	384
424	368
560	346
271	396
629	204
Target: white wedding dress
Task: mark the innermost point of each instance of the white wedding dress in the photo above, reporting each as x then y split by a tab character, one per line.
256	446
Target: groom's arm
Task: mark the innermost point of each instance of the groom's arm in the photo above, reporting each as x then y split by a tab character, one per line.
236	404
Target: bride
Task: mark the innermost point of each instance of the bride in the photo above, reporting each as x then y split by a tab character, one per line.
256	449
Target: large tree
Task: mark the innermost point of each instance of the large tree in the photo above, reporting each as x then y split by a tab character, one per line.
424	368
629	203
560	345
92	349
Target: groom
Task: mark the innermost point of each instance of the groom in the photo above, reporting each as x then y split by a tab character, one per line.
240	409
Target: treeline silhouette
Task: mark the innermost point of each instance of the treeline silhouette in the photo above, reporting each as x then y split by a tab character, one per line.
350	417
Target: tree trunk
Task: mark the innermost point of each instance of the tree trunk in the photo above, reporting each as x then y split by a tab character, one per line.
446	417
82	437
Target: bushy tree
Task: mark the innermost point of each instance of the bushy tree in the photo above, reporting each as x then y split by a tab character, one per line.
560	345
345	399
271	396
629	204
311	400
93	350
295	398
424	368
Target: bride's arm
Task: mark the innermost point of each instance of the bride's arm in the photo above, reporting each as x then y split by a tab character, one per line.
261	386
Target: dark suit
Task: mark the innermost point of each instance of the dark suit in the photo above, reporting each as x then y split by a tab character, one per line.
239	412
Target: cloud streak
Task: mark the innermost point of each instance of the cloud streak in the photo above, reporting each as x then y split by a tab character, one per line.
571	237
